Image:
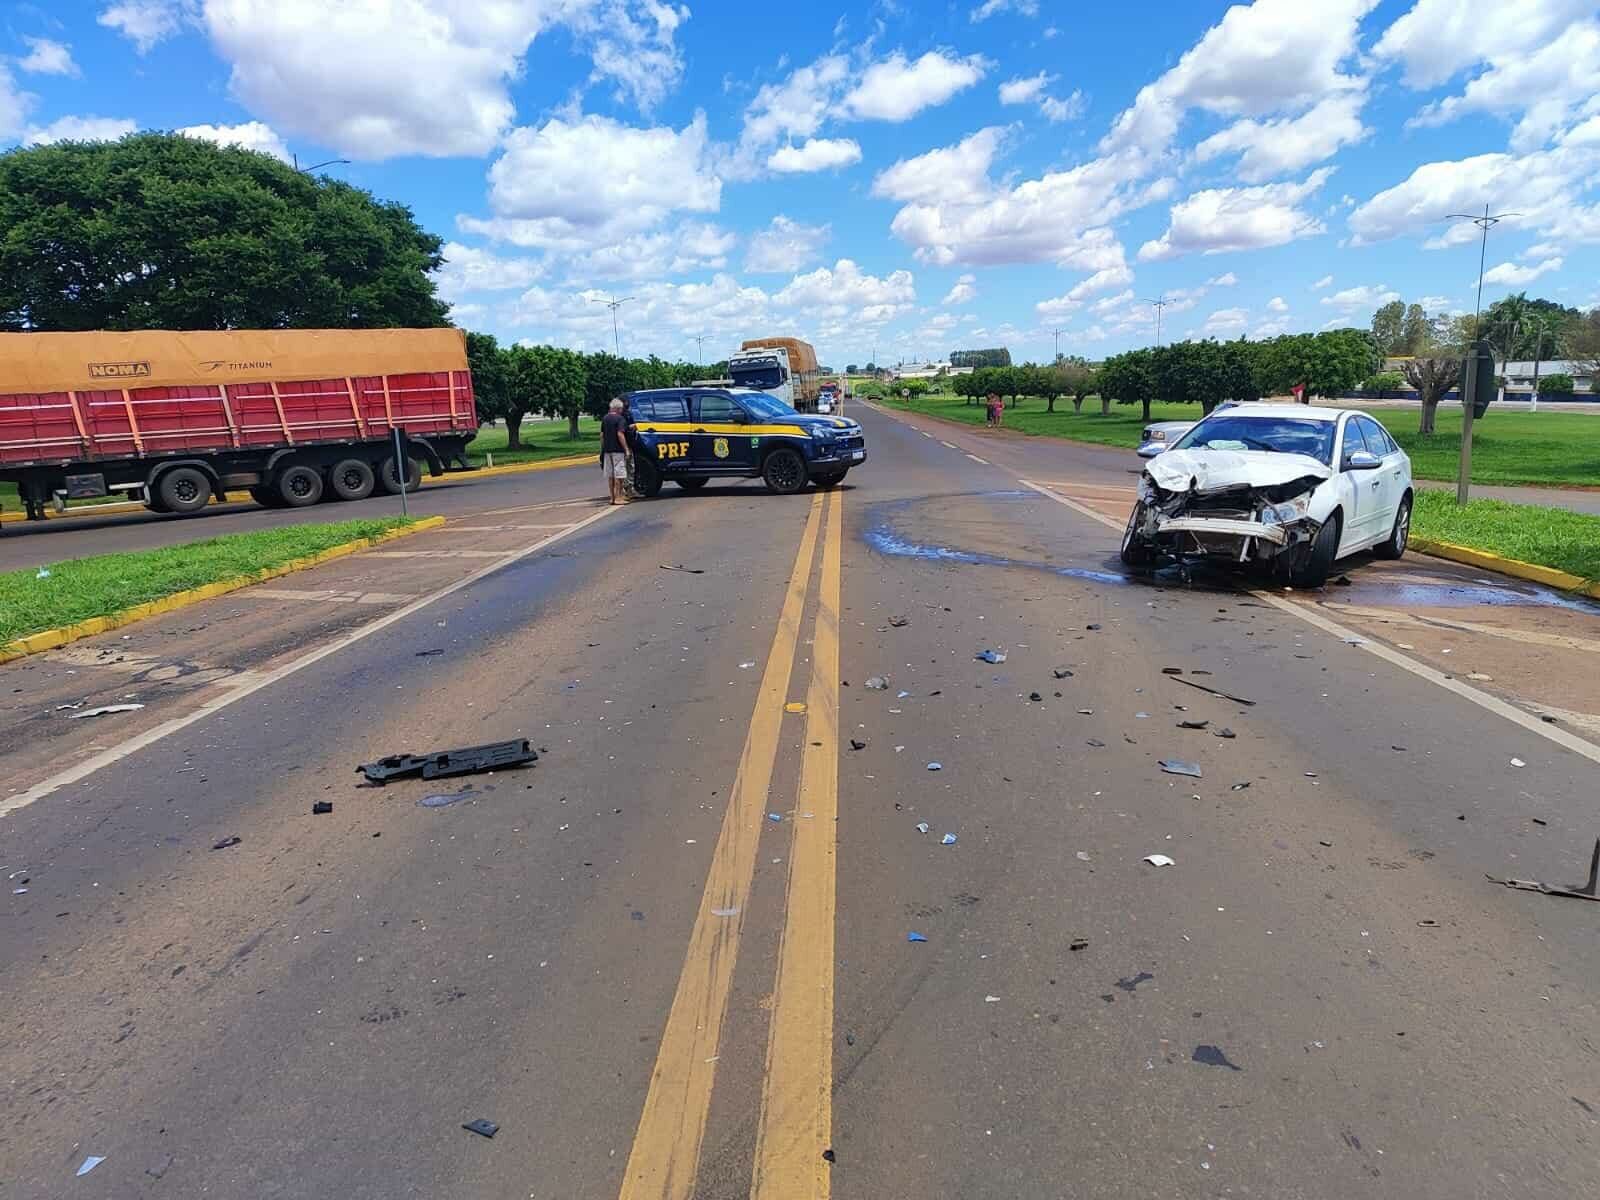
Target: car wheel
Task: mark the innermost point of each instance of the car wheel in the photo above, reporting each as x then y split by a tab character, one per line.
1135	553
692	485
352	479
784	471
184	490
389	480
1314	568
832	480
300	486
646	477
1395	544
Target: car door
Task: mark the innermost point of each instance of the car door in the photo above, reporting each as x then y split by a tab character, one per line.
1391	475
1358	491
663	424
719	440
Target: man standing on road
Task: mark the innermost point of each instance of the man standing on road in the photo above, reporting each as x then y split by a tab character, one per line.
615	454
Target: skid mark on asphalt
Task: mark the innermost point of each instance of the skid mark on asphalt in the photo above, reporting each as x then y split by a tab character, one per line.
326	596
1531	637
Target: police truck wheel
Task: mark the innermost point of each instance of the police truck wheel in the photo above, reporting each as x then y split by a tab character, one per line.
831	480
784	471
299	486
351	479
184	490
390	480
646	477
692	485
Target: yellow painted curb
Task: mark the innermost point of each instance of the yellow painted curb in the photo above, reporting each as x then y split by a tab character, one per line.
548	464
50	639
1532	572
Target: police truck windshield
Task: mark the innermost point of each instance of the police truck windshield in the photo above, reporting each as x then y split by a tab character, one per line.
763	405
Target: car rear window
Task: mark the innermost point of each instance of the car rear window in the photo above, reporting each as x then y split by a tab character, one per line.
661	408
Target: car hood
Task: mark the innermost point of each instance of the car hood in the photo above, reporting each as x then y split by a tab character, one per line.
809	421
1218	470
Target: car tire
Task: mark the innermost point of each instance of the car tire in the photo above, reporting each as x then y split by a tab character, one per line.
184	490
351	479
1313	569
784	471
389	479
692	485
646	477
1136	554
299	486
1399	537
831	480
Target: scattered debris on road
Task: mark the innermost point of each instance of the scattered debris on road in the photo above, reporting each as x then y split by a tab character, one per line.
1062	673
1224	733
923	827
899	622
914	936
1078	943
935	766
1176	766
1035	697
1193	724
1160	860
90	1163
441	764
1589	890
1214	691
949	839
228	841
724	912
105	710
428	653
680	567
857	744
320	808
795	706
878	683
1212	1056
1172	670
482	1126
1515	762
991	657
774	817
446	799
1239	787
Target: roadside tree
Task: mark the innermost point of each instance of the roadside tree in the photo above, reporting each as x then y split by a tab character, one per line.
549	380
1432	376
490	382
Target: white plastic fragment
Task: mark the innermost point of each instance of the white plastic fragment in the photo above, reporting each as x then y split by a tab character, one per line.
1517	762
104	710
90	1163
1159	860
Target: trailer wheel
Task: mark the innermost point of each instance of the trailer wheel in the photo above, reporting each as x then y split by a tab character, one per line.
299	486
266	496
389	479
184	490
351	479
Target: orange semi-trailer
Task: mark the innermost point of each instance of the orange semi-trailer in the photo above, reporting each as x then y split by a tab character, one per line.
174	418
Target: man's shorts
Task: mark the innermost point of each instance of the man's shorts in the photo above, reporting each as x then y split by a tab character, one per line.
614	466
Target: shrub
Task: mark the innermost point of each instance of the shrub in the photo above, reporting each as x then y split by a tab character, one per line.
1384	381
1559	382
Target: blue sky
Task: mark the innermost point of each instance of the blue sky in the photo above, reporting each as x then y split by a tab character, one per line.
894	178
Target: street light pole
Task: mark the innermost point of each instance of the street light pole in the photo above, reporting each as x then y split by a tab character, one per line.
1485	223
307	170
1160	303
699	347
1058	333
613	304
1468	388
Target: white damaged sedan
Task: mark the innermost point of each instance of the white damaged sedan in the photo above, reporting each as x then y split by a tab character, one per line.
1284	487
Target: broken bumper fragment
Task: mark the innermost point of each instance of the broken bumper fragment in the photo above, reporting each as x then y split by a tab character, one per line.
1212	527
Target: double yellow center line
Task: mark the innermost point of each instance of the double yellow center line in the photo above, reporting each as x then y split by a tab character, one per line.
796	1107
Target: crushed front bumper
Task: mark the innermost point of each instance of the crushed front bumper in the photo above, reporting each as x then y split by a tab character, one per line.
1213	527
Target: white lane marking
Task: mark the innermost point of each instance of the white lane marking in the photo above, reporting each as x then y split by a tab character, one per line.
925	433
976	459
439	553
327	596
1494	704
500	528
519	508
263	679
948	445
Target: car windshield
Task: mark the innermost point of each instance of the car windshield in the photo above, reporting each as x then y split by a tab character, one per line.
762	405
1281	435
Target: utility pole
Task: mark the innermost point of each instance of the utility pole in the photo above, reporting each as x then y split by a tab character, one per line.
1058	333
699	347
1538	349
1468	387
1160	303
613	304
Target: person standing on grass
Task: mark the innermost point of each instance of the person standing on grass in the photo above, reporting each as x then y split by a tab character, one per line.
996	409
615	454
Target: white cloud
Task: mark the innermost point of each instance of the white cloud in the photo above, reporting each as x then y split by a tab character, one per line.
952	172
1325	281
691	246
660	318
1437	38
1513	275
1277	305
1221	219
797	107
635	46
1436	303
1541	250
80	129
964	291
818	154
470	269
785	245
844	290
1069	109
897	89
1225	321
1368	296
147	22
989	8
1114	276
1272	56
15	105
46	57
590	181
1108	303
1287	144
1226	279
252	135
1026	89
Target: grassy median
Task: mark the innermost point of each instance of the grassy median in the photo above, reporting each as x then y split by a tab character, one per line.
1508	447
1550	537
541	440
64	593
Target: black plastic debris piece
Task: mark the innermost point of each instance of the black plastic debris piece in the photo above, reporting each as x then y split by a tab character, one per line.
1214	691
899	622
849	1038
1176	766
1078	943
1130	985
1193	724
442	764
1548	719
320	808
1539	821
1223	733
1401	749
680	567
1062	673
1212	1056
428	653
828	1156
1239	787
857	744
1035	697
227	841
1172	670
1096	743
482	1126
1588	890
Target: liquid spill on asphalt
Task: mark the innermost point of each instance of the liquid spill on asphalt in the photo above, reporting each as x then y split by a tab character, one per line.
1413	594
885	540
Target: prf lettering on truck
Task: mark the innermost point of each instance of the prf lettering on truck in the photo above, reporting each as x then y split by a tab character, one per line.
672	450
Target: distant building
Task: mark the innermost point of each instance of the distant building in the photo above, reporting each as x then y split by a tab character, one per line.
928	370
1519	375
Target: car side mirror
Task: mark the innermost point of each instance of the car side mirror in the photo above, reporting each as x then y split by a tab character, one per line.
1362	460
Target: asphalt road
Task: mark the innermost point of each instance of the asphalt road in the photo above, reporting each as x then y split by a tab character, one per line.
656	989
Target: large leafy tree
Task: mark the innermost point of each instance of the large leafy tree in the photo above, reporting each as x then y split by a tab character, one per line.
490	376
1129	378
549	380
160	231
1388	327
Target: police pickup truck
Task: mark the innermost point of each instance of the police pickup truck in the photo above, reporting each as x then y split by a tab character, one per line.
691	435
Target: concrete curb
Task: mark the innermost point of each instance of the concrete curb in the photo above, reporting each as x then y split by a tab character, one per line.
549	464
51	639
1532	572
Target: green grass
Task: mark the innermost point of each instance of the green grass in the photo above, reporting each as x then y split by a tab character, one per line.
540	440
1550	537
81	588
1543	448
